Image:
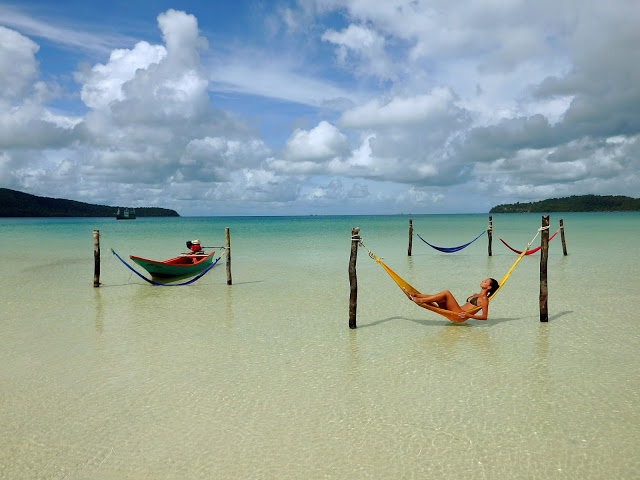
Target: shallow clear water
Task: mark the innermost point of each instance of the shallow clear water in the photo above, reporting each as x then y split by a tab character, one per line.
264	379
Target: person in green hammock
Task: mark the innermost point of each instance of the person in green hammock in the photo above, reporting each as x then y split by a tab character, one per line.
447	301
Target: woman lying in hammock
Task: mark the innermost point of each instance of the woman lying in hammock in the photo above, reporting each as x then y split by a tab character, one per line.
447	301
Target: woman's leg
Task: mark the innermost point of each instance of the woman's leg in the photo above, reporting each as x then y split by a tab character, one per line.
443	299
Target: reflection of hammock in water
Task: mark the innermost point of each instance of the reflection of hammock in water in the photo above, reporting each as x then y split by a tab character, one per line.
451	249
529	252
451	315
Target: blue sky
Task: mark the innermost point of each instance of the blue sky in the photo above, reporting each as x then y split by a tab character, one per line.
319	106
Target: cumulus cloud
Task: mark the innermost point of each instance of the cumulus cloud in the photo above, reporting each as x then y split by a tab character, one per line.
268	188
24	120
311	152
435	107
18	67
151	115
332	191
174	88
358	190
103	84
367	45
318	144
214	158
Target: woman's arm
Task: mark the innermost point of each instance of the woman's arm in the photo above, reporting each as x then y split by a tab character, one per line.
483	302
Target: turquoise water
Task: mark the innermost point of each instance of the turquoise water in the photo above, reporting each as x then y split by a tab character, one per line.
263	379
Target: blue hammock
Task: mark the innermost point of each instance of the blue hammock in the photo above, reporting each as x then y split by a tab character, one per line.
451	249
201	274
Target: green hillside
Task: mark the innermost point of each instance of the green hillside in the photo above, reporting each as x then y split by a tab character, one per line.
19	204
576	203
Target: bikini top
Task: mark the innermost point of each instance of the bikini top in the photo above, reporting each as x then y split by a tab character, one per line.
473	300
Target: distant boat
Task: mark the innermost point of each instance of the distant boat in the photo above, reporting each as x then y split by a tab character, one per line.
182	265
126	214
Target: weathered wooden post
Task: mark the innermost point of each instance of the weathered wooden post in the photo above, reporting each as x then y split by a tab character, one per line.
410	236
353	279
96	258
227	238
544	256
564	243
490	232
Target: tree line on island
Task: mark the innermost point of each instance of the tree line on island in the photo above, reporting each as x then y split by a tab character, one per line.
575	203
19	204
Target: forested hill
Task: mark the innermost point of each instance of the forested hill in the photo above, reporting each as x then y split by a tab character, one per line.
576	203
19	204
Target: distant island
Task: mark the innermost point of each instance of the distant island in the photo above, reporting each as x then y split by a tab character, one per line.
576	203
20	204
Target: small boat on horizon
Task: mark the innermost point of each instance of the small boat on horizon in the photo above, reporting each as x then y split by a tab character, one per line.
126	214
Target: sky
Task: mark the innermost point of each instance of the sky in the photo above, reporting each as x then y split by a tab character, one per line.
320	107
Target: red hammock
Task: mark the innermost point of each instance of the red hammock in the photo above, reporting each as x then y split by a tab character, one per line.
530	251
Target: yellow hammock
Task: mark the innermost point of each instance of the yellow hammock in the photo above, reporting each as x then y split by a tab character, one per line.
453	316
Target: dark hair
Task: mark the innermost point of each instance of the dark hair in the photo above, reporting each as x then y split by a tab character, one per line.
494	287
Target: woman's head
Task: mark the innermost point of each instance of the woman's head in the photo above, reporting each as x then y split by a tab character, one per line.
494	285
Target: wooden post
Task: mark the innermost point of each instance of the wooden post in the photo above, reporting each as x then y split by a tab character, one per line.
564	243
96	258
227	238
410	236
490	232
353	279
544	256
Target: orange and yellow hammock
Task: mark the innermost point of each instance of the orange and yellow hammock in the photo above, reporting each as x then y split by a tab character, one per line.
453	316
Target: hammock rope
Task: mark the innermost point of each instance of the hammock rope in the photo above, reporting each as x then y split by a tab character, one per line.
450	249
200	275
451	315
530	251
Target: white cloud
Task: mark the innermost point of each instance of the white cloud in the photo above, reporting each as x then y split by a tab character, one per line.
359	190
366	45
151	117
249	73
403	111
102	85
94	39
24	121
215	158
18	67
318	144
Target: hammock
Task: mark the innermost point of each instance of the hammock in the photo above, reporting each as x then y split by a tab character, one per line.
530	251
451	249
451	315
200	275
